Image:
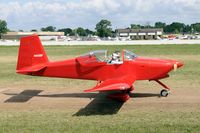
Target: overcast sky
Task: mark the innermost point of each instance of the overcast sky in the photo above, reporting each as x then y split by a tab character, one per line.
34	14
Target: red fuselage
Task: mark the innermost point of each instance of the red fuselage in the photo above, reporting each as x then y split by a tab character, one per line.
140	68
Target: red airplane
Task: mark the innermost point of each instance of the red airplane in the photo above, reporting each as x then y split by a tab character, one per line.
115	74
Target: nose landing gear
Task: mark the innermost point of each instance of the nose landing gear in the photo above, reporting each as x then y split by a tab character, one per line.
165	92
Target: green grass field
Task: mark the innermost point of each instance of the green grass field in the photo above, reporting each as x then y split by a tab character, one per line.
180	117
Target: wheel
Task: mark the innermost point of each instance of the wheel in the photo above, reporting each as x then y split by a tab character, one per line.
164	93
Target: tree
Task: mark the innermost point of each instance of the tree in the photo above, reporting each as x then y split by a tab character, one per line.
89	32
135	26
49	28
160	25
174	27
80	31
3	27
168	29
103	28
196	27
67	31
187	29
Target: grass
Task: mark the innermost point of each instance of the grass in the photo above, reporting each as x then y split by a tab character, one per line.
134	120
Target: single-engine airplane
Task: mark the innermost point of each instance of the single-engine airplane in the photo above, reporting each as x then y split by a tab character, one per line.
115	74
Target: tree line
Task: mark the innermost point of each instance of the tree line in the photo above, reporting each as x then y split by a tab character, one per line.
103	28
175	27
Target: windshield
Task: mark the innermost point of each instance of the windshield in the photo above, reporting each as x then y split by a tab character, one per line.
128	55
101	55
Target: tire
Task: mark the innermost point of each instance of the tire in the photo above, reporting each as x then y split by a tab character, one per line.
164	93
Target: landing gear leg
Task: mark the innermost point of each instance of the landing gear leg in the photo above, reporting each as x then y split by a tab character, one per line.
164	92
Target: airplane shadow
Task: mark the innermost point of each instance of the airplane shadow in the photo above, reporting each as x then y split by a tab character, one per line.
24	96
100	105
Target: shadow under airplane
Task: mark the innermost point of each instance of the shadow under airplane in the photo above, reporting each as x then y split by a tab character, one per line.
24	96
100	105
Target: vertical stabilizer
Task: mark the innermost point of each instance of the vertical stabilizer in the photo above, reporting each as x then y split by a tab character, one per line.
31	52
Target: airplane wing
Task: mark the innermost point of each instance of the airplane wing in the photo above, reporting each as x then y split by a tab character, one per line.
121	83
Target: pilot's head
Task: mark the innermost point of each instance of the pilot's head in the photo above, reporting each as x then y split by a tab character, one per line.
116	55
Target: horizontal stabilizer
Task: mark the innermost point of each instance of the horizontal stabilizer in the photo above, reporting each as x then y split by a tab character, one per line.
35	68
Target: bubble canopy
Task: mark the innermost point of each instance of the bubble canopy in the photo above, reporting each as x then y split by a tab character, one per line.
102	55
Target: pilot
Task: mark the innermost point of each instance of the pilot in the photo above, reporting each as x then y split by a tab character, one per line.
116	58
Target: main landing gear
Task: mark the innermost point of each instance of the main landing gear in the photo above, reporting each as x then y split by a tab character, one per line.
122	96
165	92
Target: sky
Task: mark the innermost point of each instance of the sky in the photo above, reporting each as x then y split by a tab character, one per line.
35	14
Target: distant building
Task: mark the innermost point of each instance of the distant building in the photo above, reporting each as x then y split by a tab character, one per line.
43	35
140	34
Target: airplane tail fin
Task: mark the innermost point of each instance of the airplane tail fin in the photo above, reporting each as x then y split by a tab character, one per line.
31	56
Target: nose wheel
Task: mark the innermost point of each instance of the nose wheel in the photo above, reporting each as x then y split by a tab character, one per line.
164	93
